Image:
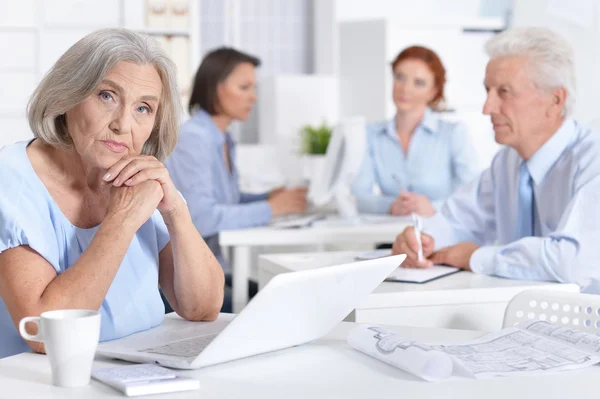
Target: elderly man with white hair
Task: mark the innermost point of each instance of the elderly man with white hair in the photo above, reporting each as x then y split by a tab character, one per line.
534	213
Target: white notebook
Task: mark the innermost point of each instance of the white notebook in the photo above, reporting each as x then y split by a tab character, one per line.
406	275
144	379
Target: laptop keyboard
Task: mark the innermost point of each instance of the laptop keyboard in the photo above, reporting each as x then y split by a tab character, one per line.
190	347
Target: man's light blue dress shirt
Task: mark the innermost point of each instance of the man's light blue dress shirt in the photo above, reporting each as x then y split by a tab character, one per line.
566	213
440	159
30	216
199	171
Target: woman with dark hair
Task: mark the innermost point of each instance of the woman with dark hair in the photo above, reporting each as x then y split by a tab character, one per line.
416	159
203	163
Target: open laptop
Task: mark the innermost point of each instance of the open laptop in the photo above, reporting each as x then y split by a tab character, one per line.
292	309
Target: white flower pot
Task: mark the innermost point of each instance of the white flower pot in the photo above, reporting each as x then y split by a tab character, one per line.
312	165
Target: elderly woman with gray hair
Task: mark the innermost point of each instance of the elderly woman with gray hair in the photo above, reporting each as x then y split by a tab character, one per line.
89	217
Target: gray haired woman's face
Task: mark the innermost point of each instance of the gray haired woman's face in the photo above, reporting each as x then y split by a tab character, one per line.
118	117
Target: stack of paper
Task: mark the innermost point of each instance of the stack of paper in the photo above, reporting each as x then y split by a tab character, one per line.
532	347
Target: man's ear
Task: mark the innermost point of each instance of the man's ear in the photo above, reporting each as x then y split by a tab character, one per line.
559	99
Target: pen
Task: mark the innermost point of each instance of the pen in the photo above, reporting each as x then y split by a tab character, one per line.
418	227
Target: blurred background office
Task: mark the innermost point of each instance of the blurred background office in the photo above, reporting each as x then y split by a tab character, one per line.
322	60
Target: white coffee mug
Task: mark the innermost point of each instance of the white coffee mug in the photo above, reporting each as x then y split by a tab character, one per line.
70	338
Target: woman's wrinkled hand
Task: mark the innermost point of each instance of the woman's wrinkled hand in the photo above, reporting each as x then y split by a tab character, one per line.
135	170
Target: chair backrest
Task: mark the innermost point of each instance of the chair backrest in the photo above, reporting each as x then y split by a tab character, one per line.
571	309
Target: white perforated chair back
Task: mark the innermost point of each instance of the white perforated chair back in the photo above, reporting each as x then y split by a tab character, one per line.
571	309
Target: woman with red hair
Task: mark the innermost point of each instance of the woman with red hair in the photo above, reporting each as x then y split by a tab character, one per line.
416	159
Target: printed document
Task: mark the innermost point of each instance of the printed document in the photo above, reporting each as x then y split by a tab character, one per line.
532	347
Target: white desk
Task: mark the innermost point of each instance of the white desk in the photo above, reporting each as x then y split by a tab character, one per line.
327	368
328	232
463	300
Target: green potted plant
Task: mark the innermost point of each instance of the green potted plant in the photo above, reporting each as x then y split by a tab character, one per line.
315	140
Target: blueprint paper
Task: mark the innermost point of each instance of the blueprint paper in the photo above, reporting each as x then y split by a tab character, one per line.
523	350
533	347
414	358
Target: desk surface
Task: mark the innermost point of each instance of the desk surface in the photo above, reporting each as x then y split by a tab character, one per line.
327	368
458	288
333	230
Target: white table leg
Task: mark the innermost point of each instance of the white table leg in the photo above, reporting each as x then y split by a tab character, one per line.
242	259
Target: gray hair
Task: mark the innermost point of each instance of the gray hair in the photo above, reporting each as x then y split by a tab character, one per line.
80	70
550	58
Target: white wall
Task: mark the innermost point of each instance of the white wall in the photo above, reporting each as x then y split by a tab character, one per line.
583	32
363	69
33	35
351	10
289	102
325	32
18	66
292	101
327	13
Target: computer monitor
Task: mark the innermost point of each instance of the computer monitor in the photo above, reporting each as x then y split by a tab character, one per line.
342	162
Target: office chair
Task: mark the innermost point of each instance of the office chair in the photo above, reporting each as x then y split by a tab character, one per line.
570	309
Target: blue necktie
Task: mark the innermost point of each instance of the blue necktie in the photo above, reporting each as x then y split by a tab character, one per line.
524	222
